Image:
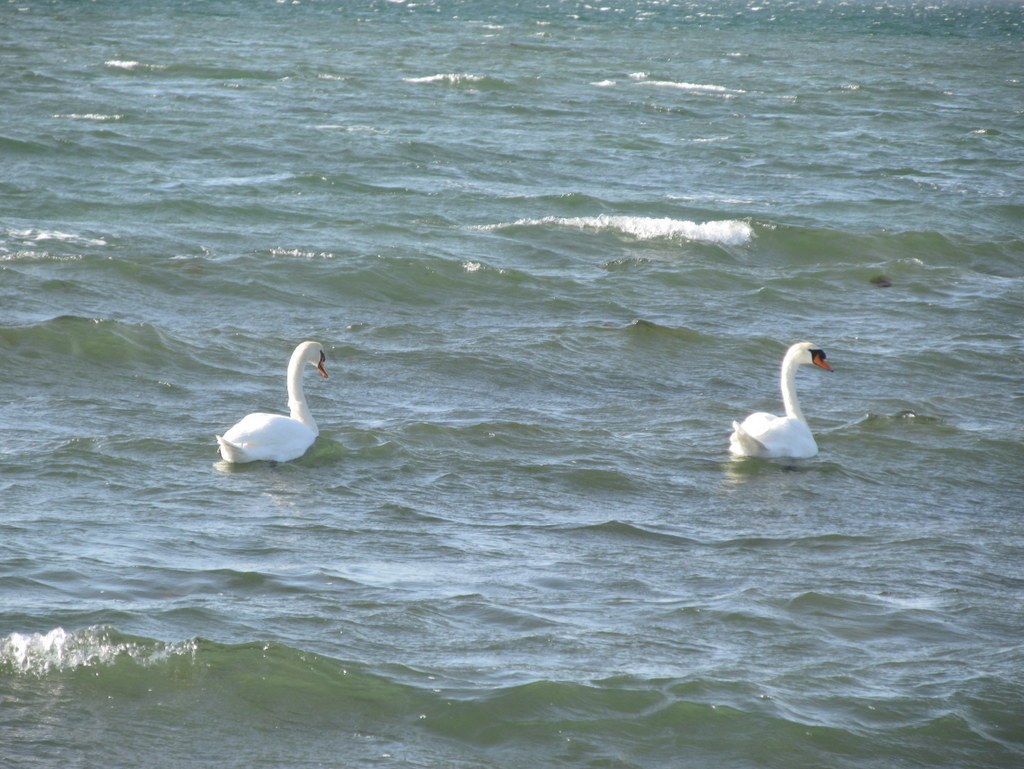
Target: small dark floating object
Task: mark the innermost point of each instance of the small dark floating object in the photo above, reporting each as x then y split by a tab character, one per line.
881	281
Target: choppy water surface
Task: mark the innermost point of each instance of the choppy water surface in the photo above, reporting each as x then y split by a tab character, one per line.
552	251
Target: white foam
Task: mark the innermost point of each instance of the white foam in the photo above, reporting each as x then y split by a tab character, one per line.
298	253
37	236
88	116
59	650
34	652
42	256
450	77
352	129
693	87
729	232
131	64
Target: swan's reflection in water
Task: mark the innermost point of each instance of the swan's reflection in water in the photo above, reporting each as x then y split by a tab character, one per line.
739	472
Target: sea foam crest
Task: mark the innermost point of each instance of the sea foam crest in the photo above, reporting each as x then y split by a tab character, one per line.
131	65
299	253
59	650
450	77
643	78
42	256
97	116
35	235
693	87
728	232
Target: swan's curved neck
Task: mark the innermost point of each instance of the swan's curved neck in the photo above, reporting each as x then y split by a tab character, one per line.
789	366
297	407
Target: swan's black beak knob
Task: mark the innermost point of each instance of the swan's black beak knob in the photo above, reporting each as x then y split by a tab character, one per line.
320	366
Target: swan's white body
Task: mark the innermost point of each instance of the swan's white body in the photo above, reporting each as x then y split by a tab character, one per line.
277	437
767	435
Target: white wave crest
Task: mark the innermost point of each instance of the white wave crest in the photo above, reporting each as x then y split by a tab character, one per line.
693	87
451	78
40	256
59	650
299	253
38	236
88	116
130	64
728	232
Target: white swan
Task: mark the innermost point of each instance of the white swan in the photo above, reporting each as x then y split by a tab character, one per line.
766	435
274	436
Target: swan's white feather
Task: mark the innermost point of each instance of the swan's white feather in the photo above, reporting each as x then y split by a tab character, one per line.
266	437
767	435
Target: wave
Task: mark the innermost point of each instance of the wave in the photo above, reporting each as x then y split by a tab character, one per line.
457	79
450	78
907	253
126	64
231	695
643	78
13	147
644	329
35	235
702	88
725	232
96	338
190	69
28	255
94	116
93	347
58	651
634	532
35	244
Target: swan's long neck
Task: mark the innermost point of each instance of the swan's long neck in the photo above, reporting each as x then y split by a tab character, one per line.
296	396
789	366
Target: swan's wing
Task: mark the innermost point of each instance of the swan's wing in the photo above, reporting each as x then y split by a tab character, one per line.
789	437
766	435
744	442
254	427
229	452
266	436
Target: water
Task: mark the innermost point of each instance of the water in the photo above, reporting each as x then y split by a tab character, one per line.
552	251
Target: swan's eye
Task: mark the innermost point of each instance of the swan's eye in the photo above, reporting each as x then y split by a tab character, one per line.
818	354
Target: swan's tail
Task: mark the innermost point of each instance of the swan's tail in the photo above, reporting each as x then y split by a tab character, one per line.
231	452
742	444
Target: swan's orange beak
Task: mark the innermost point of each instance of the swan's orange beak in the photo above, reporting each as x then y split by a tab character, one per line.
320	366
818	359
